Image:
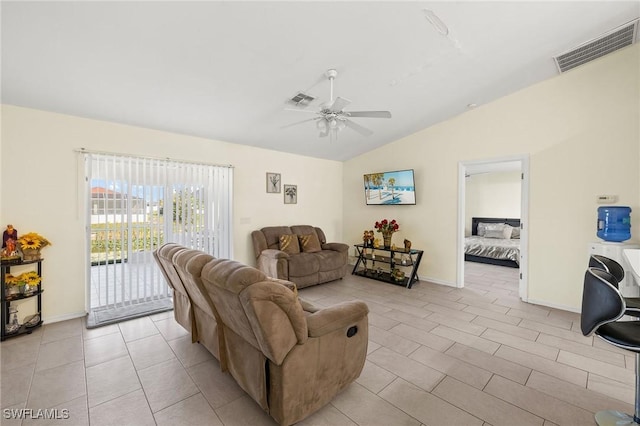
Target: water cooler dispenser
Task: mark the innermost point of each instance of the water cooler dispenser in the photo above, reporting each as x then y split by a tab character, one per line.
614	226
614	223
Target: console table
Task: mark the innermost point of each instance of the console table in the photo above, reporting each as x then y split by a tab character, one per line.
390	258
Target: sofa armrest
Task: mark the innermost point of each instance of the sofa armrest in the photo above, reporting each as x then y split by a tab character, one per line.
274	263
259	242
336	317
274	254
341	247
308	306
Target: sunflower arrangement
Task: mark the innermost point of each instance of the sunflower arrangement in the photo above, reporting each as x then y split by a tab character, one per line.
33	240
11	280
30	278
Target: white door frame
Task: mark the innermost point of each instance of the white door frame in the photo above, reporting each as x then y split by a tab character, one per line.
524	216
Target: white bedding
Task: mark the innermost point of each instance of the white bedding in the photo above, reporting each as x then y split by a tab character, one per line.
495	248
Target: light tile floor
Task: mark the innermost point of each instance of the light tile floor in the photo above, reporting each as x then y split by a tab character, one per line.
437	356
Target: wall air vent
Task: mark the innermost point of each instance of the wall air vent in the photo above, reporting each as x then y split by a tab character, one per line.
301	99
611	41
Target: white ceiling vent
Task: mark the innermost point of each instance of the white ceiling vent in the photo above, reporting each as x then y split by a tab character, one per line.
301	99
611	41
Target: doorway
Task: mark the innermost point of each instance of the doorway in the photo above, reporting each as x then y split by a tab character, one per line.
516	164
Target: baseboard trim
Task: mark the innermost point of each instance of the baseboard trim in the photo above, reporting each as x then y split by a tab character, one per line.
553	305
438	281
64	317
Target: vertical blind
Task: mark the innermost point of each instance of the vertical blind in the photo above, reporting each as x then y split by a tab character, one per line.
137	204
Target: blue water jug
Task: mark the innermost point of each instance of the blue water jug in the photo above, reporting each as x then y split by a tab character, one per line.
614	223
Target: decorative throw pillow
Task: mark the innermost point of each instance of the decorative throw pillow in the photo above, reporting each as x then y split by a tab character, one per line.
289	243
309	243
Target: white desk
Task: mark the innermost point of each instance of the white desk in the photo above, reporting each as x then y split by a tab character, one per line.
633	257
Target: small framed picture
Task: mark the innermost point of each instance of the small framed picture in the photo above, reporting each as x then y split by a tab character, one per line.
291	194
273	183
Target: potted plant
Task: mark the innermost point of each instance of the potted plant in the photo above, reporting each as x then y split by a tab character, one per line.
387	228
22	283
28	280
12	284
30	244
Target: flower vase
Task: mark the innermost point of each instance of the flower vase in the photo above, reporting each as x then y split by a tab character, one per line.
11	291
30	254
386	236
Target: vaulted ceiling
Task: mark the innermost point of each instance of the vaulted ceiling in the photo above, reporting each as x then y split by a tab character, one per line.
225	70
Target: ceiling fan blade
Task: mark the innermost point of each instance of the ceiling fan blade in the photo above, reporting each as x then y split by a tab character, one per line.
358	128
370	114
300	122
339	104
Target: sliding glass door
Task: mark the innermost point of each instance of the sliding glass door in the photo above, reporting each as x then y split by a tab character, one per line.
134	206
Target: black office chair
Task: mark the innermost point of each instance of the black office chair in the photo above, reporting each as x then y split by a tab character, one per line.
602	307
615	269
607	264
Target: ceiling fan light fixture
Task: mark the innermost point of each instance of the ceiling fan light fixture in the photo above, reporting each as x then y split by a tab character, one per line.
322	125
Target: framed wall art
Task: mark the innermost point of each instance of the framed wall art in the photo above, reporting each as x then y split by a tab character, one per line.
291	194
273	183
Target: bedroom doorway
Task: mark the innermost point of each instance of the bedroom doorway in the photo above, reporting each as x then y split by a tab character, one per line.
518	166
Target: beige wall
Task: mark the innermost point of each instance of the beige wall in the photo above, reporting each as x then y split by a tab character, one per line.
581	133
41	189
492	194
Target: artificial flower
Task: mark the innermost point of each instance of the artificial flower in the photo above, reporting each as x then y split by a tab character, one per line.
33	240
11	280
387	226
31	278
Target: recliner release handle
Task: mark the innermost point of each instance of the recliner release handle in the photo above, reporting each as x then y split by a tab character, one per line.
352	331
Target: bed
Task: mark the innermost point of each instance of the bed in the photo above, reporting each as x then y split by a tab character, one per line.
493	247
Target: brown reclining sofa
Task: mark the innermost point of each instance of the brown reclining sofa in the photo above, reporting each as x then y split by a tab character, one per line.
292	358
300	254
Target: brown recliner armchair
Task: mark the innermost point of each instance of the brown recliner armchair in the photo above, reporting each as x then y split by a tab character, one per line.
291	360
189	264
304	264
182	310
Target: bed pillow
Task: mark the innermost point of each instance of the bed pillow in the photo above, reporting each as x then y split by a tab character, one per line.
483	227
504	233
515	233
289	243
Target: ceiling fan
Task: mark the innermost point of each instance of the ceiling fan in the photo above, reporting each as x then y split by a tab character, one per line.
332	117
